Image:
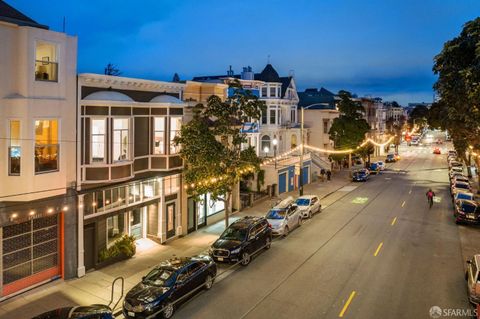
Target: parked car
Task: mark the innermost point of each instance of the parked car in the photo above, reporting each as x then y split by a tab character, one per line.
166	284
455	169
374	168
459	178
466	211
308	205
381	164
241	240
473	281
452	153
455	164
455	175
284	217
79	312
361	175
463	195
390	158
460	185
436	150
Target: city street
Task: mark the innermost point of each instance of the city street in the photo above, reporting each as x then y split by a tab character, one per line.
379	242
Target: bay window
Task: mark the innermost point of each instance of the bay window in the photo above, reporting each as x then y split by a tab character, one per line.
98	140
175	125
121	140
159	135
14	150
46	146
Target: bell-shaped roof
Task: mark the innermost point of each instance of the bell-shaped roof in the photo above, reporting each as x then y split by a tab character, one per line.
165	98
108	96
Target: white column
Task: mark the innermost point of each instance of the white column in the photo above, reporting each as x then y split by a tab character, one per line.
81	248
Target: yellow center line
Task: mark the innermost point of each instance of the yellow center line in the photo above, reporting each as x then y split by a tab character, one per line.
378	249
393	221
345	306
403	204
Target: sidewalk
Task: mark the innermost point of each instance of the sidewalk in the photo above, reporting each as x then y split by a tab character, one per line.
95	286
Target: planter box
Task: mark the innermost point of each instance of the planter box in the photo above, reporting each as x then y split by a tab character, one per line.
111	261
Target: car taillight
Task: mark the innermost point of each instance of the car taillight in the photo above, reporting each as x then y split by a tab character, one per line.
269	226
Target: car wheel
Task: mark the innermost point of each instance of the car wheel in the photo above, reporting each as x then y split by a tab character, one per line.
286	231
268	243
209	282
168	310
246	258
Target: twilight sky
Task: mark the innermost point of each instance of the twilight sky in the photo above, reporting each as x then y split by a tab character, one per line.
373	47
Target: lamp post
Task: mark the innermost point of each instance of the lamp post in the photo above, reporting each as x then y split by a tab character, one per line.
275	142
266	149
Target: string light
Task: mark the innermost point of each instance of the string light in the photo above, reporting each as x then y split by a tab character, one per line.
50	210
32	212
65	208
14	215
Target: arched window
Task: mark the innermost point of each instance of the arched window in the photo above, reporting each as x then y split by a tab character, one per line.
293	141
265	143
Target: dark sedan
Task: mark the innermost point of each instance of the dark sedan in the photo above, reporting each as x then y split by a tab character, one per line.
390	158
167	284
361	175
466	211
80	312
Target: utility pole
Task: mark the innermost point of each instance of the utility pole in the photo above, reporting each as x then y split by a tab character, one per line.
300	178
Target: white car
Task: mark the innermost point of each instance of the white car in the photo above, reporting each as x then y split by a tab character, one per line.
381	165
455	169
284	217
308	205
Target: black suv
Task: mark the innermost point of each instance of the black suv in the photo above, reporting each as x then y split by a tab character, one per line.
241	240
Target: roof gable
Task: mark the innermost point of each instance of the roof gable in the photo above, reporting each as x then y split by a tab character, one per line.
12	15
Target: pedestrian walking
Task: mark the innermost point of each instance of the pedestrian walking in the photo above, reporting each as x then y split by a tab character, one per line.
329	174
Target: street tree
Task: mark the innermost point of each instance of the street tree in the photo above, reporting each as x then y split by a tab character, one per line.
111	69
210	145
349	129
418	116
394	128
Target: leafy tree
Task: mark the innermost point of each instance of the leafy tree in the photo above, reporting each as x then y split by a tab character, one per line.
458	85
349	129
418	116
365	152
210	145
395	128
111	69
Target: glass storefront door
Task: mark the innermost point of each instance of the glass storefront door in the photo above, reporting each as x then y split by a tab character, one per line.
136	229
191	221
170	219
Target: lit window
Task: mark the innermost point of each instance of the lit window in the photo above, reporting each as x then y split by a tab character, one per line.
293	141
14	150
121	141
171	185
46	66
98	140
46	146
159	135
175	125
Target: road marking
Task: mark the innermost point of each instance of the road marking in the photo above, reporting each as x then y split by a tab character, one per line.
393	221
403	204
410	191
378	249
345	307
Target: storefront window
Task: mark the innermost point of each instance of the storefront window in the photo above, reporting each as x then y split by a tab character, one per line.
98	140
214	207
121	141
159	135
148	189
115	227
46	146
134	193
171	185
14	150
175	125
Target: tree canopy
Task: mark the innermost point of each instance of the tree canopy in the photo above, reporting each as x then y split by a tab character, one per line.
349	129
211	144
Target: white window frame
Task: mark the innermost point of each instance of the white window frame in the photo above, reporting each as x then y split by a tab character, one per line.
163	150
104	140
57	59
129	148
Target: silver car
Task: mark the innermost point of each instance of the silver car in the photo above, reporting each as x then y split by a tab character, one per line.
284	217
308	205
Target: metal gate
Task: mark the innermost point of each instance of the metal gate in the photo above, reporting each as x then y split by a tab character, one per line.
30	253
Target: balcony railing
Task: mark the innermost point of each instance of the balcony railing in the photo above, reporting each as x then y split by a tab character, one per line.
46	71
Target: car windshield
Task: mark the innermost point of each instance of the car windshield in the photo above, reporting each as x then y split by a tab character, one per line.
234	233
160	277
468	208
276	214
464	196
390	156
461	185
302	202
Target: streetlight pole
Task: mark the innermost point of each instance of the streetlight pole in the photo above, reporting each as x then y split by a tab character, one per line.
275	142
300	178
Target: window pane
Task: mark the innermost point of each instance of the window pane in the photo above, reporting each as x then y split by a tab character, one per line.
121	139
14	133
98	140
46	132
264	116
273	117
175	124
159	135
46	158
14	160
46	67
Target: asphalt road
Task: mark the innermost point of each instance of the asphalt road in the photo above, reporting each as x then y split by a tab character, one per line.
377	251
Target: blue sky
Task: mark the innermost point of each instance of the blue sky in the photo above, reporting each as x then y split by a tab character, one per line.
379	47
